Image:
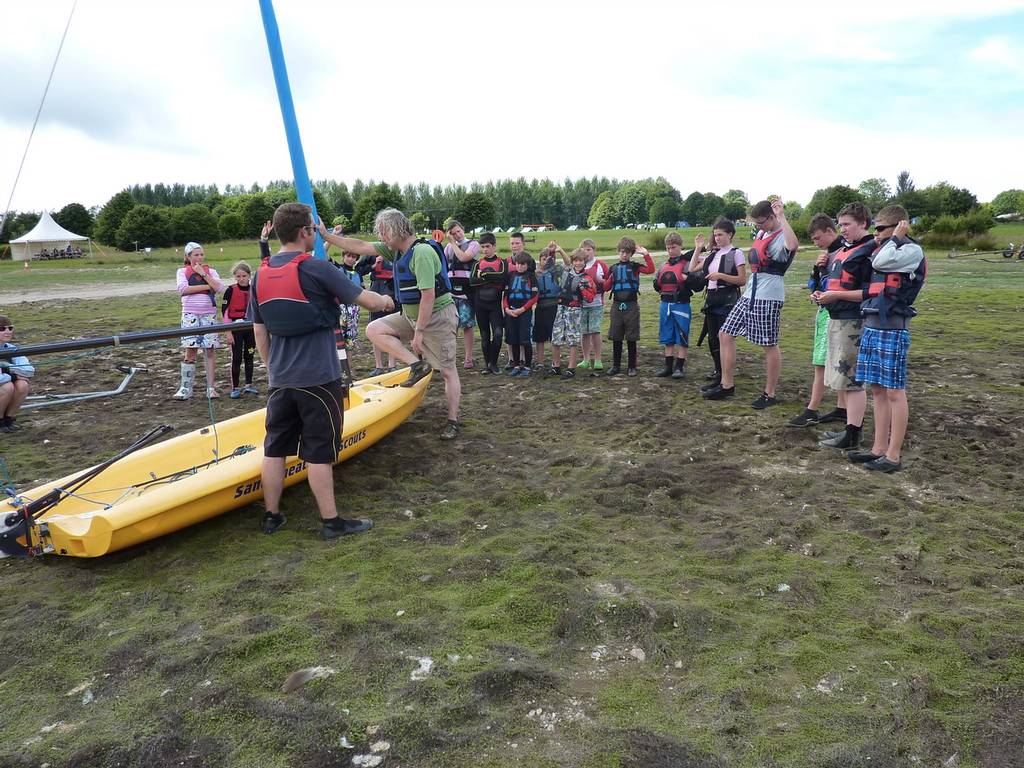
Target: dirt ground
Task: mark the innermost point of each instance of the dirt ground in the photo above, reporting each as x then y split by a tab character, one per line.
604	572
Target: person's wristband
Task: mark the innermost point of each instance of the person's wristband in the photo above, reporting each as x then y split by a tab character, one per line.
417	329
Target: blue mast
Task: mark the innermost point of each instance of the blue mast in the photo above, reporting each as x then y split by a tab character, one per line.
303	188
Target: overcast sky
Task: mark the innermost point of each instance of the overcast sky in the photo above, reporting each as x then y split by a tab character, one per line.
769	98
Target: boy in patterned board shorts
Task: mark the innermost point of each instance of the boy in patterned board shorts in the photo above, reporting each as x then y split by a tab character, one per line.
849	273
756	314
898	272
822	231
462	254
576	288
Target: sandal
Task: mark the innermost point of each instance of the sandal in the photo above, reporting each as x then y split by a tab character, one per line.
212	393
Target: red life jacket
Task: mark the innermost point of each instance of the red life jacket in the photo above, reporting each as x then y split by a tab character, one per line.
671	282
284	307
893	293
490	275
840	279
760	261
194	278
597	271
238	302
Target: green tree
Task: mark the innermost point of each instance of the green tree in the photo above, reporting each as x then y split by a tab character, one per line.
831	199
76	218
110	217
943	199
341	220
1008	201
665	210
711	207
231	226
420	221
631	204
256	209
144	225
735	209
193	222
793	210
475	210
874	193
904	183
603	213
378	198
692	207
17	224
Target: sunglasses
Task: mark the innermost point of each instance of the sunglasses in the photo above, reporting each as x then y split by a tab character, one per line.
883	227
6	327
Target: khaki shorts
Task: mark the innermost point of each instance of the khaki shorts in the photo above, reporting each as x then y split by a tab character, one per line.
438	336
841	363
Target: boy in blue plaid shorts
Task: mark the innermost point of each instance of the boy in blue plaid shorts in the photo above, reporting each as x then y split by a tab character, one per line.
757	313
899	269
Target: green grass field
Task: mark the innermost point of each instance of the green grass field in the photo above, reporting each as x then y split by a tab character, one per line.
605	572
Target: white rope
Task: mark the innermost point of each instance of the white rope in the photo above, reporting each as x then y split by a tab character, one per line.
35	122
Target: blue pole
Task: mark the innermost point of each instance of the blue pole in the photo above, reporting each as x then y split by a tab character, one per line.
303	188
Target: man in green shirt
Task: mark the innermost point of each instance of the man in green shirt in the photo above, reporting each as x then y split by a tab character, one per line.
429	318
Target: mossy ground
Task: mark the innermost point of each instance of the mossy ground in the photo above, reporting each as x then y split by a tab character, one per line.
596	569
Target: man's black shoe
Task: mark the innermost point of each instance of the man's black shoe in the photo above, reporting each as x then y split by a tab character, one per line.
837	414
417	371
718	392
272	522
713	376
712	385
337	527
614	370
805	419
861	457
764	401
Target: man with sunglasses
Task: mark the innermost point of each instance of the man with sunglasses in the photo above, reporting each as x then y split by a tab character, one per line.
898	273
756	315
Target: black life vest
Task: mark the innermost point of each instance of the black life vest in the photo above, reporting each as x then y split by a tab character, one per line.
893	293
625	281
671	282
760	261
194	278
405	278
547	288
238	302
520	290
576	288
284	307
723	297
491	274
841	279
382	278
459	273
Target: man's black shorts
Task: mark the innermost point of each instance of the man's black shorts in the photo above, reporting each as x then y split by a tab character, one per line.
305	421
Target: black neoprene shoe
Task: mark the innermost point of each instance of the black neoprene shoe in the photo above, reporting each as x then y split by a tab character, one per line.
805	419
764	401
272	522
882	464
847	441
712	385
337	527
862	457
417	371
837	414
715	376
614	370
632	372
718	392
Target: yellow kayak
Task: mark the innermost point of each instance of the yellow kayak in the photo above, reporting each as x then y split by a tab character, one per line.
174	484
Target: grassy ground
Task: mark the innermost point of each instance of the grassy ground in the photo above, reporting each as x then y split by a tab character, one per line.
608	572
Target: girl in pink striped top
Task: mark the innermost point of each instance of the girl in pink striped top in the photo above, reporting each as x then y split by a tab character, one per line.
198	284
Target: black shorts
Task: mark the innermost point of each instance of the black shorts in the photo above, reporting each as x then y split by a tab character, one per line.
305	421
543	323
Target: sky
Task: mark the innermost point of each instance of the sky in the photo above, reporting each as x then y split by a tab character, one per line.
769	98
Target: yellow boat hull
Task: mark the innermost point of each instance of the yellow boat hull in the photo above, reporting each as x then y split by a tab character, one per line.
171	485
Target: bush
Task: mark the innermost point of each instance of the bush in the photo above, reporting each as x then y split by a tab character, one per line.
956	231
231	226
146	226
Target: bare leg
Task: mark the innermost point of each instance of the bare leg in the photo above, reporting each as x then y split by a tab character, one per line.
384	336
556	356
377	355
211	369
467	342
817	388
840	397
539	353
190	354
899	414
856	404
585	343
728	352
273	483
572	356
7	396
772	366
596	345
321	482
20	393
452	391
882	419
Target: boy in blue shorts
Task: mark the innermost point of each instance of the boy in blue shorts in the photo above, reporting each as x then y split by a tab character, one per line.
898	273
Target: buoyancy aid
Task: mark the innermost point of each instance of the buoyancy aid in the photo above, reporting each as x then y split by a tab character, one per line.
576	288
670	282
194	278
352	275
405	278
490	278
520	290
284	307
547	289
459	273
625	281
844	275
893	293
382	278
723	297
238	302
761	261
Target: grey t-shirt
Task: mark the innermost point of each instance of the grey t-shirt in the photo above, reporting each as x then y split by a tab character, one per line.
769	287
310	359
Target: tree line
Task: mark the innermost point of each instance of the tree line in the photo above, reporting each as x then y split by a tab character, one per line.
161	215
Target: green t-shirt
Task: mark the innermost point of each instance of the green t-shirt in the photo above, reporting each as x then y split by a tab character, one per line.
426	265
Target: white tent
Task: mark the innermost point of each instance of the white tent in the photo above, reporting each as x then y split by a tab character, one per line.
46	235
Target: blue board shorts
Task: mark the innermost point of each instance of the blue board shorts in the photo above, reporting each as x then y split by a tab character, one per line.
467	316
674	324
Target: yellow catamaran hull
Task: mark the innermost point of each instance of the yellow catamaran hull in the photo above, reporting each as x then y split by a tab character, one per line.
118	509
